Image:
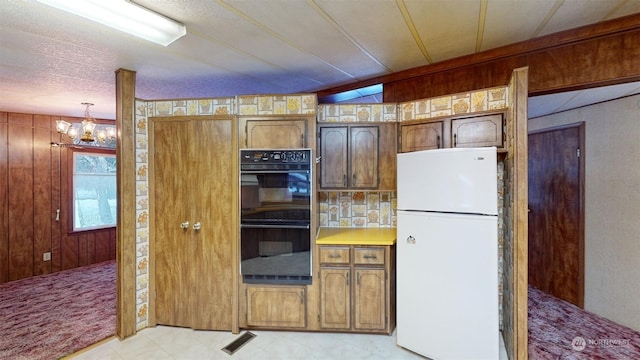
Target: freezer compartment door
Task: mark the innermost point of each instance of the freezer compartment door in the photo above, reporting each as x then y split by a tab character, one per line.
447	285
461	180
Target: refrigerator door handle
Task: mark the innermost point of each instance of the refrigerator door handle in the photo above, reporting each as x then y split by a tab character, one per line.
411	240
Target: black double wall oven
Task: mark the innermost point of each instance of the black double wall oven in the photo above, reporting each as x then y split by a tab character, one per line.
275	226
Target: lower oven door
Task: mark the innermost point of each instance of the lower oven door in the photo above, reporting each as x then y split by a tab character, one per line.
275	252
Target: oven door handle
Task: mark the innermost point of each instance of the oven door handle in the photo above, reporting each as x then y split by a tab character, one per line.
266	226
248	172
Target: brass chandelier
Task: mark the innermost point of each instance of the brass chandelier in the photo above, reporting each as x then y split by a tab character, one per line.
87	127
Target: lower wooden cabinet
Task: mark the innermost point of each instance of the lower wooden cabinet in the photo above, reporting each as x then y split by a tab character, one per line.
335	298
357	288
276	306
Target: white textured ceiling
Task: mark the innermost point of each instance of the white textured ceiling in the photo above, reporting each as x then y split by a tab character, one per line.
51	61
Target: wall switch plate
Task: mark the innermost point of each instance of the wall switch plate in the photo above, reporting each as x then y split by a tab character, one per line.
46	256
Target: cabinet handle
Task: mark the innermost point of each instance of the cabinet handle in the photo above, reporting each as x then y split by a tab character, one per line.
334	256
197	226
353	179
348	275
370	257
438	140
344	179
301	297
358	279
184	225
455	140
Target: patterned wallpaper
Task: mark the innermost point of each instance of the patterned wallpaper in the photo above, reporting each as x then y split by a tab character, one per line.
461	103
357	209
277	104
357	112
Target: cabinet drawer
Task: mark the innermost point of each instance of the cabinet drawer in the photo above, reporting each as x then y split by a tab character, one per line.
369	256
334	255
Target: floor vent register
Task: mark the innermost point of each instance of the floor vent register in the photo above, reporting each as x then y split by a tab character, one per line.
236	344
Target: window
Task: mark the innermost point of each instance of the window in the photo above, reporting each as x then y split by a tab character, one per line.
93	188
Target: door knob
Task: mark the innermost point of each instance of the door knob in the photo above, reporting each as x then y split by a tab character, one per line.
197	226
185	225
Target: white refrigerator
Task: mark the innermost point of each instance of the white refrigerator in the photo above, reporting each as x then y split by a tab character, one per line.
447	253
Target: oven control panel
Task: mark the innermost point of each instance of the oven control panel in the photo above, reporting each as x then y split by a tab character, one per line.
275	156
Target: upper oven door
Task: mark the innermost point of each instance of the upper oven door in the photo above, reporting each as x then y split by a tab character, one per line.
275	194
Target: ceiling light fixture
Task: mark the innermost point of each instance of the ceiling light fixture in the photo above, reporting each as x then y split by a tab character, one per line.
88	127
125	16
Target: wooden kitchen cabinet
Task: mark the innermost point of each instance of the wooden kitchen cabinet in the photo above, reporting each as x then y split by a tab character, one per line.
424	136
357	288
357	156
281	133
477	131
469	131
335	298
276	306
193	227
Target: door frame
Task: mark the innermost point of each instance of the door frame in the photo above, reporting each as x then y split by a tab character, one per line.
581	180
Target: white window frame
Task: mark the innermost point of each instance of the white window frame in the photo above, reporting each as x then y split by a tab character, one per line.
75	194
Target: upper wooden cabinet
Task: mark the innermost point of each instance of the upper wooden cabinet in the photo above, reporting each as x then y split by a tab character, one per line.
470	131
357	156
424	136
269	133
477	131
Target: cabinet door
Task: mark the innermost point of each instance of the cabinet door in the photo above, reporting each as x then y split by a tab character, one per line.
363	153
477	131
387	156
335	298
282	307
369	299
421	136
276	134
333	157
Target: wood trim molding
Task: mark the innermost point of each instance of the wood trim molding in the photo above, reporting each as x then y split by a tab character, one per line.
518	55
126	219
520	206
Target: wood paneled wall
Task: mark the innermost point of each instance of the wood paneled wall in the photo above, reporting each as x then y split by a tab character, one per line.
33	185
601	54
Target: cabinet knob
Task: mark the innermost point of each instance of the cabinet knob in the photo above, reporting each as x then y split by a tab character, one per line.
184	225
197	226
411	240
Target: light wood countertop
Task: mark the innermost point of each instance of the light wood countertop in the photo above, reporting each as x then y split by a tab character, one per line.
356	236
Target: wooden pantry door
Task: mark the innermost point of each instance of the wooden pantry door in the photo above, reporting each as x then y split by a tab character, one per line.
212	177
193	183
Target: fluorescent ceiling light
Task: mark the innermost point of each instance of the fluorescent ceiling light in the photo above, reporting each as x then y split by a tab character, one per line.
125	16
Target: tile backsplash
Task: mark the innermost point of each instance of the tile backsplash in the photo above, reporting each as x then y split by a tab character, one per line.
357	209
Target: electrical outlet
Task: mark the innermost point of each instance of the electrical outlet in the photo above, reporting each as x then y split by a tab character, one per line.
46	256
